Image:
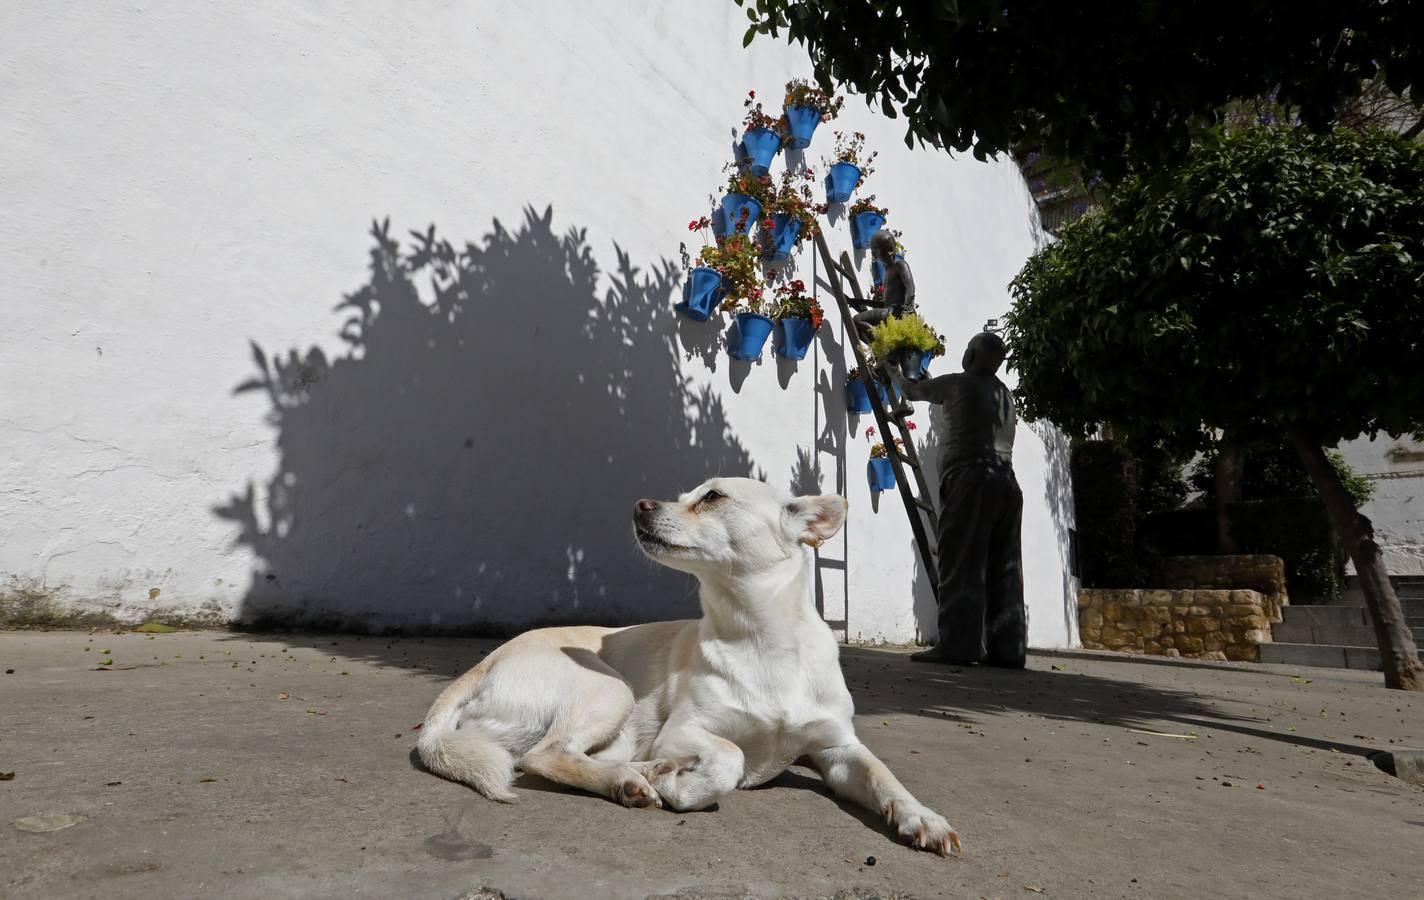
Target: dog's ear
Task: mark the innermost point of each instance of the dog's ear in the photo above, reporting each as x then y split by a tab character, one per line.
814	520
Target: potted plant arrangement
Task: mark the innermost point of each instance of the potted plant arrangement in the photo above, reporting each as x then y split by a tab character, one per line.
761	136
849	167
704	288
865	219
904	340
799	316
745	197
880	470
744	292
805	107
789	216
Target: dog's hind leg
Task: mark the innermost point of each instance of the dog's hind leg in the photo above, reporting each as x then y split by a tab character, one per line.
593	718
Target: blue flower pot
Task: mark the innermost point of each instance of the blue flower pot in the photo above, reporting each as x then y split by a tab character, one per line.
719	222
733	207
785	227
701	293
857	397
882	474
912	364
841	182
796	337
863	226
752	331
925	362
761	146
802	121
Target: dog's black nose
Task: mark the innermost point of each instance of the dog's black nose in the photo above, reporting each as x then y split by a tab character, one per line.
643	509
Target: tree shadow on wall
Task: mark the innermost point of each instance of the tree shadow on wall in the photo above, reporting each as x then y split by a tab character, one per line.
470	463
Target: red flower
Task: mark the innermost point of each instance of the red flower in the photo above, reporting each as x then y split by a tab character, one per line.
870	432
751	94
768	223
910	424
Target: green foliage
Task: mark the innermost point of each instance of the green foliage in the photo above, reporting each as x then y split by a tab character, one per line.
1296	529
1160	485
1276	471
902	333
1272	283
1108	85
1105	509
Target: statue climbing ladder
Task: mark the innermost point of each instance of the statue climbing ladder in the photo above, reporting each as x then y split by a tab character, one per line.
920	508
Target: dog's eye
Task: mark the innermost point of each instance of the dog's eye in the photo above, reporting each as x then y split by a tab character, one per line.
712	496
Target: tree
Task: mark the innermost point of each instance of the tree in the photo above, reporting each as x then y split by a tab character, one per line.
1268	288
1104	84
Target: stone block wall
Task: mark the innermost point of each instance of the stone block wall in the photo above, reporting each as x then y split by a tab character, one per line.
1262	573
1202	624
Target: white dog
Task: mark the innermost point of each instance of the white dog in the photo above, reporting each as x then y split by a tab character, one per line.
681	713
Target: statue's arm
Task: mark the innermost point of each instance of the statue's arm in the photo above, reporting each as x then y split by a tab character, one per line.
930	390
907	279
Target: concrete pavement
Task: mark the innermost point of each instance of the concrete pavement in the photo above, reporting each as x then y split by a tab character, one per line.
222	765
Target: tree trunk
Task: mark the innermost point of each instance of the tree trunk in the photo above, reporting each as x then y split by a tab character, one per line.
1398	652
1230	463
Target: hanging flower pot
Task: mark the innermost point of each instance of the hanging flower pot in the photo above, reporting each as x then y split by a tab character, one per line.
882	474
719	222
911	362
760	146
739	212
857	396
796	335
701	293
841	182
801	122
863	226
752	331
784	229
925	362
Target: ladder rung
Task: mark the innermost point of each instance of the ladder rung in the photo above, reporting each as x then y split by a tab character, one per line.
925	506
907	460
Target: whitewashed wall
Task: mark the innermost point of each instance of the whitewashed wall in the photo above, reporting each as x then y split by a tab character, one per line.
1396	467
188	192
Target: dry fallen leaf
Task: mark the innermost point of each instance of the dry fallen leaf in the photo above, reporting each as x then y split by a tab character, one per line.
1033	887
43	824
283	695
7	776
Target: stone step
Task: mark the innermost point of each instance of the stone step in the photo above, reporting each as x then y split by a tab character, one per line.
1413	605
1347	635
1335	615
1329	656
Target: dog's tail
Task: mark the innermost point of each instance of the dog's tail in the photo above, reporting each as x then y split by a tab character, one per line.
468	754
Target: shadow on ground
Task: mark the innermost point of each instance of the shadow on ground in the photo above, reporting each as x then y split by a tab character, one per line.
470	462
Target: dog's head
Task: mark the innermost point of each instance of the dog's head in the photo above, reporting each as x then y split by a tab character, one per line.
734	526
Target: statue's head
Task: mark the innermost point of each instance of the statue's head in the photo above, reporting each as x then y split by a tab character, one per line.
985	353
882	246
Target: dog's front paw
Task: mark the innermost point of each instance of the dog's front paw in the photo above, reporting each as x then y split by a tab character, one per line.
635	791
922	828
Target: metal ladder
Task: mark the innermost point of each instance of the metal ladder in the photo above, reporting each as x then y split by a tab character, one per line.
919	508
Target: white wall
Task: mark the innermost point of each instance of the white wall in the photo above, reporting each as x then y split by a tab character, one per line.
1396	467
189	189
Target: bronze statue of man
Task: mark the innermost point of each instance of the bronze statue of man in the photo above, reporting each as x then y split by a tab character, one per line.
981	605
899	298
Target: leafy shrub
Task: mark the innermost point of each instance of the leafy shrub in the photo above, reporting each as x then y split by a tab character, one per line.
902	333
